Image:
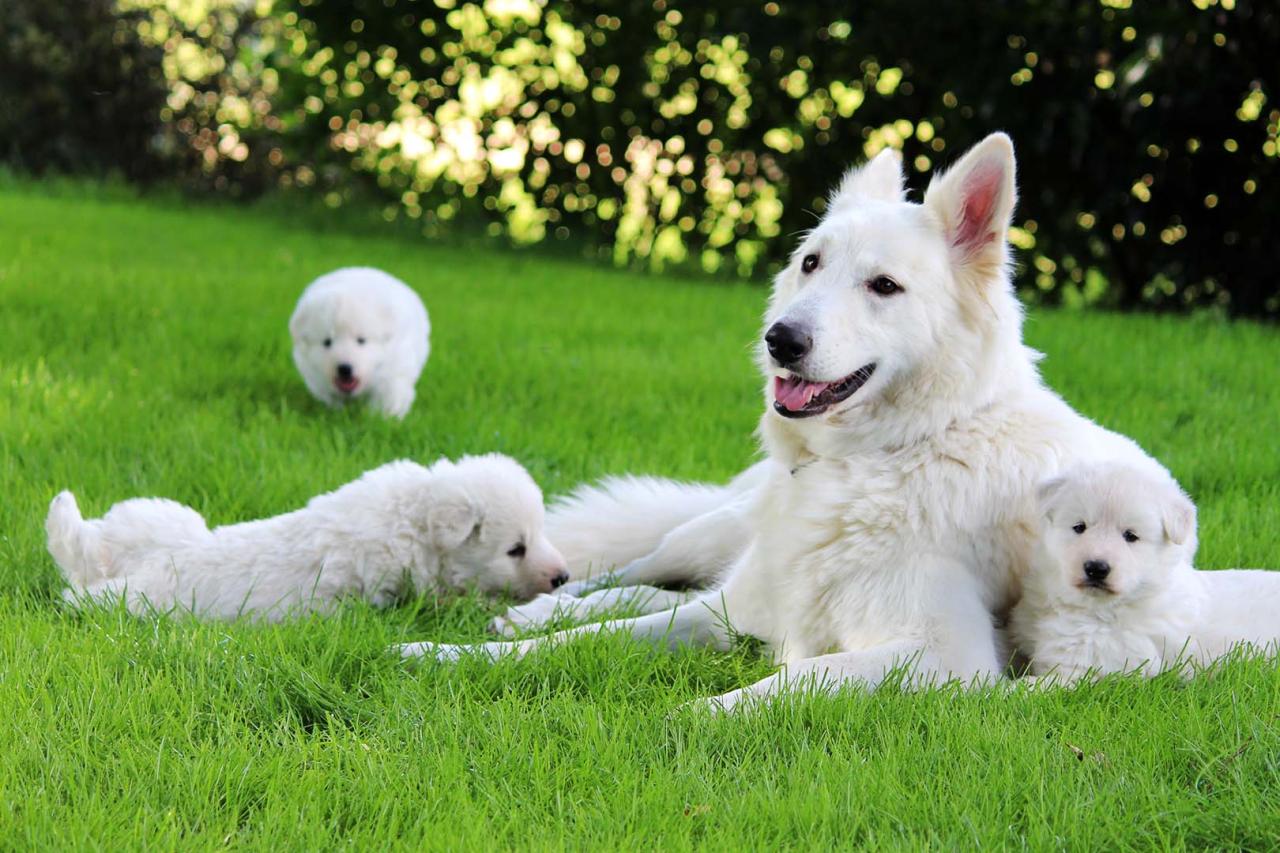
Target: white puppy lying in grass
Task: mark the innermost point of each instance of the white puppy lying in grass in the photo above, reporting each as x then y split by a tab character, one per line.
477	523
1112	588
361	333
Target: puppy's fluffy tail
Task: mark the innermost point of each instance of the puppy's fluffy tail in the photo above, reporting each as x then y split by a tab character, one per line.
73	542
605	526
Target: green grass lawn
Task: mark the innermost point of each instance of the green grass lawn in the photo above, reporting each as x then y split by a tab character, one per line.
144	351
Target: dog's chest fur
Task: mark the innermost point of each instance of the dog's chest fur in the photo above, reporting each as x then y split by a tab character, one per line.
850	552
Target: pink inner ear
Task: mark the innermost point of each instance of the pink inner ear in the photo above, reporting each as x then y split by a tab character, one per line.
981	187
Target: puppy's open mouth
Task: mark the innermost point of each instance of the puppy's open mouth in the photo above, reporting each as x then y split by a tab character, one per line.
796	397
347	386
1095	586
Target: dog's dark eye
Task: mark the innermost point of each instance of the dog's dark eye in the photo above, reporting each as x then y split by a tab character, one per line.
328	342
1130	536
882	285
1079	528
360	341
516	552
809	264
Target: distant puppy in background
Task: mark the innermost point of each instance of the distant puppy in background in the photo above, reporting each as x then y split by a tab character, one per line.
1112	588
477	523
359	333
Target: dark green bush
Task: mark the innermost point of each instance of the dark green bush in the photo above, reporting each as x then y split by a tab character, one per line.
79	90
1147	140
703	133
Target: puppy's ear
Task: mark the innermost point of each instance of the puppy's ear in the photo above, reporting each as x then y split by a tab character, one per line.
974	202
1178	516
879	179
1047	494
454	519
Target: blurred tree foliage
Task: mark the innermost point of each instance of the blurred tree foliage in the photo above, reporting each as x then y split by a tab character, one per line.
705	132
79	89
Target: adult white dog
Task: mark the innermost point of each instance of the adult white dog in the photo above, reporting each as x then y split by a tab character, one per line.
477	523
907	429
1112	587
360	333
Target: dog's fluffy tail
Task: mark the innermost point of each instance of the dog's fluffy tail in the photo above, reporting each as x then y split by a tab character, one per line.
73	542
606	525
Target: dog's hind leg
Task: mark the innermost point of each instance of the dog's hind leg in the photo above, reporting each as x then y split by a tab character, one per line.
696	553
701	622
600	528
550	607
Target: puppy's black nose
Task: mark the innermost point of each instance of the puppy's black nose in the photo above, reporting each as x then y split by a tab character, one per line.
559	579
787	344
344	371
1096	570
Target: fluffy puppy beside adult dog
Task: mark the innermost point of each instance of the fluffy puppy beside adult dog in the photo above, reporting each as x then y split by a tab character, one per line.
907	429
361	334
474	523
1112	587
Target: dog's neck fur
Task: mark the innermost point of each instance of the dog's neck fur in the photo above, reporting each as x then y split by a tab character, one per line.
991	365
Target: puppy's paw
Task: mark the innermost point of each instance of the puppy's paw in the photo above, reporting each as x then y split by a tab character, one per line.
395	402
531	614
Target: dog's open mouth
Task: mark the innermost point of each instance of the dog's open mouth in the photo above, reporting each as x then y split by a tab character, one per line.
348	385
1089	585
796	397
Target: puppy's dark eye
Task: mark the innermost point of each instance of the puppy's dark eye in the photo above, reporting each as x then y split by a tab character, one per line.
328	342
809	264
516	552
882	285
1079	528
1130	536
360	341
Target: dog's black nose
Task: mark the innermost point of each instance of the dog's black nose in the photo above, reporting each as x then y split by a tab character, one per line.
787	344
559	579
1096	570
344	371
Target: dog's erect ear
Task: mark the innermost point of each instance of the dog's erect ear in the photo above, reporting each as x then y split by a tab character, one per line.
1047	494
974	201
454	519
1178	516
880	180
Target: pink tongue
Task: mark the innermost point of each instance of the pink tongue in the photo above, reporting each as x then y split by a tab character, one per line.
794	393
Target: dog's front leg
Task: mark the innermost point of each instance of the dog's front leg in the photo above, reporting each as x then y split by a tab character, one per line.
549	607
827	673
696	553
956	643
701	622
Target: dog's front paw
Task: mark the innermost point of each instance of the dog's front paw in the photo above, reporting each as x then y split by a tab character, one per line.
577	589
739	701
531	614
713	706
